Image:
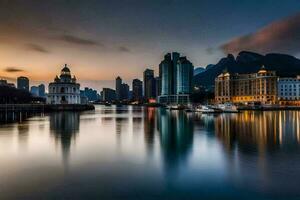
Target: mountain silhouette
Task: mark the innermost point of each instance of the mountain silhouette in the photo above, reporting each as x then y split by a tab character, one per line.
249	62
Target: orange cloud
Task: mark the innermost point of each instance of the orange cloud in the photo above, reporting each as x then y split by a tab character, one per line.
280	36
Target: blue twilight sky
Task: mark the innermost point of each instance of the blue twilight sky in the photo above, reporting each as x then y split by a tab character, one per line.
101	39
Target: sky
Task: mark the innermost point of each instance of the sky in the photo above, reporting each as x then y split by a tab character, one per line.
102	39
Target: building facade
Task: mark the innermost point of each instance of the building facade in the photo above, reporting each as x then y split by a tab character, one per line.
23	83
176	79
137	90
149	84
41	88
34	90
108	95
260	87
90	94
289	91
64	89
124	92
118	88
38	91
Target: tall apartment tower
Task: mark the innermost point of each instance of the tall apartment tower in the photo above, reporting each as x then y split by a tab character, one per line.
137	90
176	79
149	84
118	88
23	83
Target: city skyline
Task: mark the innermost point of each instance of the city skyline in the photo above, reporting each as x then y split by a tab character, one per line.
101	42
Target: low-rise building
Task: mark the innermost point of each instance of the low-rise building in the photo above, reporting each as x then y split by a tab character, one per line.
64	89
247	88
289	91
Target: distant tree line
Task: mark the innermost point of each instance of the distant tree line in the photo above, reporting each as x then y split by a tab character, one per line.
11	95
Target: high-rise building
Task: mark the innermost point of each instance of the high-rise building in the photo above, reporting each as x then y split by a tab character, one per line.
90	94
184	76
108	95
166	72
137	90
176	75
118	88
34	90
149	84
23	83
124	92
41	89
157	86
38	91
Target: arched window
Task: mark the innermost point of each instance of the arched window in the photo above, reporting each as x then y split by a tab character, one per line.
62	90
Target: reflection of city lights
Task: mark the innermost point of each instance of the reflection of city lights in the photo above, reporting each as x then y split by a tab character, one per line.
152	100
263	130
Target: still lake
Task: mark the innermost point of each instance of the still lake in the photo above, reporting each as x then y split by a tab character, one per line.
133	152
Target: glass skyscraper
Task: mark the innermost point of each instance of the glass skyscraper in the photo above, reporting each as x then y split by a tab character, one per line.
184	76
149	84
23	83
176	75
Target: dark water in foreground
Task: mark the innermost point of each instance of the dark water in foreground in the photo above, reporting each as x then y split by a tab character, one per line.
147	153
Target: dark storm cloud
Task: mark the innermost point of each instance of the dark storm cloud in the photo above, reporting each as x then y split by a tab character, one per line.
79	41
36	47
280	36
13	69
124	49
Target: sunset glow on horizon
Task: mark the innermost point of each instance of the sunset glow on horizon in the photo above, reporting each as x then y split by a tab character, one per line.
100	40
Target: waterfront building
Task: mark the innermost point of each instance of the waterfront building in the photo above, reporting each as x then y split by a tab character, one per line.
34	90
157	86
289	91
38	91
260	87
90	94
176	79
108	95
137	90
41	89
149	84
23	83
184	76
118	88
124	91
64	89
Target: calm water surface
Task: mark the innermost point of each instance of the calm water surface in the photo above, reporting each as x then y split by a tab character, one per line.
147	153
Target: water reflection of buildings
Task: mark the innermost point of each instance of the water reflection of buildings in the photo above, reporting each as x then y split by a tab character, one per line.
64	126
121	121
149	126
259	131
176	137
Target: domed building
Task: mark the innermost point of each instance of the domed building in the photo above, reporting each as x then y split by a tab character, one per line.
64	89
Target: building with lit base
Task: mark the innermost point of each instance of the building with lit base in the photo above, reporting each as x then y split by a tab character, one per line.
176	80
260	87
64	89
